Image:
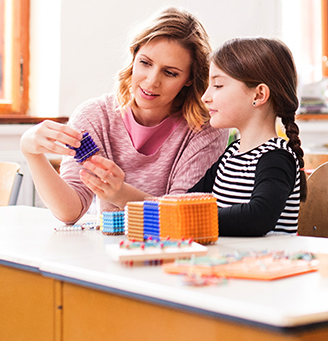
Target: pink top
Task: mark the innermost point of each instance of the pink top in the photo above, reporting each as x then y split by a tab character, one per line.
147	140
177	164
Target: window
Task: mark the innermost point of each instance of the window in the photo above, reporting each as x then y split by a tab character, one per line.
324	19
302	31
14	56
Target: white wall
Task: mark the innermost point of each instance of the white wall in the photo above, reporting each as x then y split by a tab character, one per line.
45	61
78	46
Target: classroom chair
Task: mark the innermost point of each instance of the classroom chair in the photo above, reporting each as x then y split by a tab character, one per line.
10	183
313	215
313	160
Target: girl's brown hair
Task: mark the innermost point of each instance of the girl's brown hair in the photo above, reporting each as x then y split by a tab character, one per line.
184	29
269	61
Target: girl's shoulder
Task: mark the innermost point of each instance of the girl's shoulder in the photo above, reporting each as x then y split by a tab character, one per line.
277	150
276	143
272	144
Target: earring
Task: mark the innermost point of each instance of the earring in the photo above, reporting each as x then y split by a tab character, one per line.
254	103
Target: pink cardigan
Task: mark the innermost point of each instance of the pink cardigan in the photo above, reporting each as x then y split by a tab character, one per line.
176	166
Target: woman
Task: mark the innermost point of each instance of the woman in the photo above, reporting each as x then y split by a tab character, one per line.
153	135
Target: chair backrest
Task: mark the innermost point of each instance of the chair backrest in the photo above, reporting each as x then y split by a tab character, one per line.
313	215
10	181
313	160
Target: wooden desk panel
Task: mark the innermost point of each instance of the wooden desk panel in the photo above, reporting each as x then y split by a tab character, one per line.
34	307
90	314
28	306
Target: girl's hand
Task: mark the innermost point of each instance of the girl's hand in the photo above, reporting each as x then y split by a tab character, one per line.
104	178
50	137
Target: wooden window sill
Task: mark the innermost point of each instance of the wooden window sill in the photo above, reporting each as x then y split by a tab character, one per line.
312	116
23	119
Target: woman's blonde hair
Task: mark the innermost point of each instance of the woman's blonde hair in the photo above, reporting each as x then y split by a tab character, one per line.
184	29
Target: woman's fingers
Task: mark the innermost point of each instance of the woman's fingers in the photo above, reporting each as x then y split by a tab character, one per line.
93	182
61	133
105	169
103	177
103	189
50	137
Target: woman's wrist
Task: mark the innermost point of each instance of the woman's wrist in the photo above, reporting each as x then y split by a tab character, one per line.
128	193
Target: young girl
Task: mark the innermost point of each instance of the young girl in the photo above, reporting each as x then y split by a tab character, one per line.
153	134
259	180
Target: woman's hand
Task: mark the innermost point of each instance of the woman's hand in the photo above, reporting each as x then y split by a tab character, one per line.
50	137
104	178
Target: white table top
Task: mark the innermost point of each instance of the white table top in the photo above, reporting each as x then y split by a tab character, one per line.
28	238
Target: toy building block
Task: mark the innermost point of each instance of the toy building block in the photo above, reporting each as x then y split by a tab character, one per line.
193	215
87	148
151	219
112	222
134	220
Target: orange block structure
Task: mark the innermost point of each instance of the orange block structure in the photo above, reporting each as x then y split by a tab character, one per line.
192	215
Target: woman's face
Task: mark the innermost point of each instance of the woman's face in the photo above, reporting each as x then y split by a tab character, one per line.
227	99
160	70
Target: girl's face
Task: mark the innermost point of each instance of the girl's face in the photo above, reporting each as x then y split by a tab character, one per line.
227	99
160	70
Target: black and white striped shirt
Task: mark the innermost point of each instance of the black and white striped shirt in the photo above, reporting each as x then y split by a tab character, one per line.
257	191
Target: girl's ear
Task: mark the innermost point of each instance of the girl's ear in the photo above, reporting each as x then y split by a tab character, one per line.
262	94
